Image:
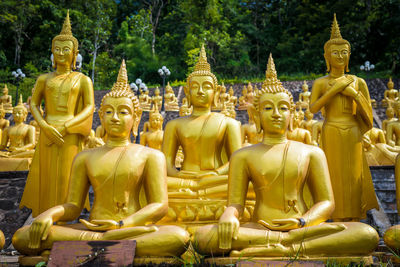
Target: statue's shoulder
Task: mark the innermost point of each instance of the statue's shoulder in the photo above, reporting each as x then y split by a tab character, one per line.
321	81
307	150
147	152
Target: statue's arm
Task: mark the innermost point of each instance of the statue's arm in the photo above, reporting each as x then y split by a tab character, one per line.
319	183
381	137
233	142
143	139
36	100
364	103
389	134
4	139
385	95
155	187
238	180
88	107
307	138
170	147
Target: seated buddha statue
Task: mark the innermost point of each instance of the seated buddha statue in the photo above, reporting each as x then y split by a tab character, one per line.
4	123
224	98
116	172
243	99
250	93
249	131
391	95
389	118
378	153
92	141
393	133
153	135
301	118
171	102
156	99
232	98
6	100
207	138
145	100
304	97
19	139
282	225
296	133
309	122
184	109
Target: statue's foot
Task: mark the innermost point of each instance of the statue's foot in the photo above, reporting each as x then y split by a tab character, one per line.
299	235
183	193
272	250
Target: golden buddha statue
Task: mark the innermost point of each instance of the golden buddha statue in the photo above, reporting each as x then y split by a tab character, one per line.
6	100
4	123
153	135
19	139
282	225
156	99
184	109
249	131
69	102
116	172
243	99
101	133
348	115
390	118
207	138
224	98
145	100
393	133
232	98
304	97
300	118
296	133
91	141
309	122
378	153
391	95
250	93
171	102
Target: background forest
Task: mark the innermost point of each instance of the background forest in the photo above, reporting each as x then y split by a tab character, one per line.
238	34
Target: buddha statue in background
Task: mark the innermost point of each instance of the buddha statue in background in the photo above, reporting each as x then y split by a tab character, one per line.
69	103
116	172
4	123
249	131
232	98
250	93
282	225
224	98
391	95
348	115
6	100
171	102
378	153
145	100
207	138
309	122
184	109
243	99
390	118
296	133
153	135
393	133
156	99
91	141
304	97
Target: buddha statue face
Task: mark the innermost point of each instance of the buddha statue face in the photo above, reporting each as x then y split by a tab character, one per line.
5	91
304	87
156	121
19	114
274	113
201	91
390	84
63	52
309	115
118	116
338	56
231	91
157	92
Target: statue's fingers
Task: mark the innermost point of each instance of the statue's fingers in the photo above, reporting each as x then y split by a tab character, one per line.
236	232
221	235
86	223
46	231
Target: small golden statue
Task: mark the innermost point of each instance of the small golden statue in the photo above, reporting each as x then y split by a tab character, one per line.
156	99
348	115
224	98
18	139
377	152
152	135
184	109
171	102
316	133
296	133
282	225
250	93
4	123
309	122
304	97
243	99
250	135
145	100
390	118
69	104
393	133
91	141
232	98
6	100
116	173
391	95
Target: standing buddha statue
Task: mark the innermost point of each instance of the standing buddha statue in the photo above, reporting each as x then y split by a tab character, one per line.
249	131
224	98
69	101
309	122
243	99
391	95
304	97
6	100
348	115
296	133
171	102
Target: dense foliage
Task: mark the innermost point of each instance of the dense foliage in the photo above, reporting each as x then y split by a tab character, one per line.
238	34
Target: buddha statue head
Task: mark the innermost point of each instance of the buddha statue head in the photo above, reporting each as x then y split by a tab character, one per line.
19	111
168	89
337	50
202	89
244	90
65	46
249	88
273	105
223	88
5	90
390	112
157	91
304	86
309	114
155	118
231	92
390	84
119	110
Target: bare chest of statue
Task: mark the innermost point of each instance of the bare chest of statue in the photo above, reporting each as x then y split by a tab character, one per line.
17	135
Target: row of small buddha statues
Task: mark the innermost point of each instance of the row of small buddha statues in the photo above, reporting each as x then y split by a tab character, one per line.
269	199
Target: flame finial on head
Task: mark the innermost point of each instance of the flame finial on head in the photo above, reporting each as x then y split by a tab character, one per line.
122	81
335	30
66	29
271	77
202	64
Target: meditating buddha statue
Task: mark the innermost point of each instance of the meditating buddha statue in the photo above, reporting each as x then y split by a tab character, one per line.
393	133
4	123
309	122
156	99
224	98
348	115
145	100
243	99
171	102
184	109
282	225
304	97
153	135
296	133
207	138
390	118
91	141
232	98
249	130
6	100
69	103
116	172
391	95
19	139
377	152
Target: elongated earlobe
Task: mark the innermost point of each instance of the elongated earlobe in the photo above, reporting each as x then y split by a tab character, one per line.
256	117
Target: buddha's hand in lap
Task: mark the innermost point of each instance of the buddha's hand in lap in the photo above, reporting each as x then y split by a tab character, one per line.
100	225
281	224
39	230
228	229
207	173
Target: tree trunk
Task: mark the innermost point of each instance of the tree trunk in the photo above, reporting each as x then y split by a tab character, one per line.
96	48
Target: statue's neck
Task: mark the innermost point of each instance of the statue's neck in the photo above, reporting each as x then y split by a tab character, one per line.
18	123
62	69
201	111
336	72
274	139
117	142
